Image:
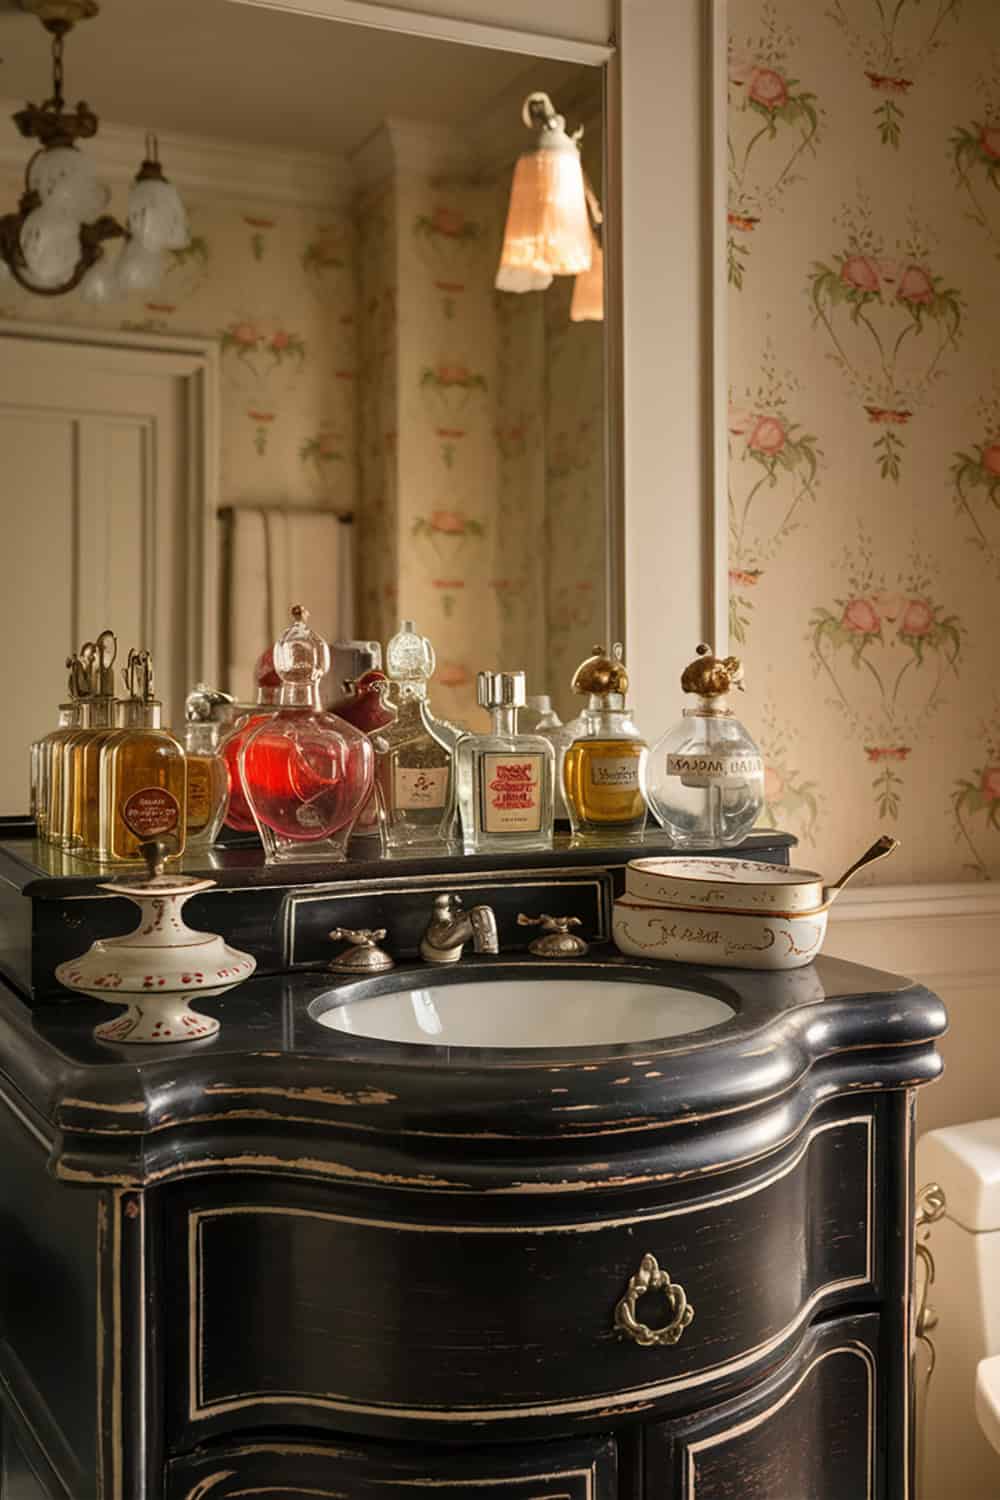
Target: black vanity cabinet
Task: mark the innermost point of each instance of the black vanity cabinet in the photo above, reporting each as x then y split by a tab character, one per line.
294	1262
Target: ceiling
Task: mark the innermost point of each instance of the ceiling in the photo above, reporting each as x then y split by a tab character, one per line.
256	76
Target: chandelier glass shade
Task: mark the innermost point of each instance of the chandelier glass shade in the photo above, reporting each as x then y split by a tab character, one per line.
588	290
57	240
548	229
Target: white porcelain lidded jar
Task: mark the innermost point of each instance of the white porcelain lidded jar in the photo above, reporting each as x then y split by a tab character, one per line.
704	780
160	966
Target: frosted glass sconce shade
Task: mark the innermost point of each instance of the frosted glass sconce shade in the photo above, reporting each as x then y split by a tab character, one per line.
548	230
64	178
138	269
156	216
50	244
588	290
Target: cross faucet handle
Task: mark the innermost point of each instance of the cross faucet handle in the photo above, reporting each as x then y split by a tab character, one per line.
362	955
557	941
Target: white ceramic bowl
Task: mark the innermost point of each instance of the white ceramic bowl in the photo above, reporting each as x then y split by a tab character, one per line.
744	940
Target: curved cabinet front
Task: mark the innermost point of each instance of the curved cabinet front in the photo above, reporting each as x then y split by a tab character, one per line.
291	1311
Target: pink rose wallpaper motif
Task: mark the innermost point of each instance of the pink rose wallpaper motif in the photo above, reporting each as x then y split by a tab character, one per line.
896	43
792	801
260	227
889	317
773	475
264	360
975	804
975	155
773	124
900	645
976	475
321	453
328	249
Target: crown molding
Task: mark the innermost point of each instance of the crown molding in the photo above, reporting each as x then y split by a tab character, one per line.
401	145
220	169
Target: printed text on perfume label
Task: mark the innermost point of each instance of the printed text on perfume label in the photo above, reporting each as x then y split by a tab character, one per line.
150	812
619	772
512	800
423	788
715	770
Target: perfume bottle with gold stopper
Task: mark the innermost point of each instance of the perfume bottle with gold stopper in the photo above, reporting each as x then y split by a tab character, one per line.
207	772
45	752
603	766
81	669
82	756
143	773
705	778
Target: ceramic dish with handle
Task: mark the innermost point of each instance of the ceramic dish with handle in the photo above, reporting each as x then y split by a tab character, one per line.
729	912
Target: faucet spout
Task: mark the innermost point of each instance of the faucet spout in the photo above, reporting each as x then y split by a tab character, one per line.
451	927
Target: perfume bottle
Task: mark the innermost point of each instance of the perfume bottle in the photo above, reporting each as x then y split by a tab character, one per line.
505	779
603	766
704	780
143	774
45	752
238	814
207	770
365	704
306	774
82	669
561	735
414	763
82	755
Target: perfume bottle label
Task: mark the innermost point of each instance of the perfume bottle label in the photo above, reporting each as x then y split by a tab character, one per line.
619	772
715	770
511	800
151	811
199	795
420	788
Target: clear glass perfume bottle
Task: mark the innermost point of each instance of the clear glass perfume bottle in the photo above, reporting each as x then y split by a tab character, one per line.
207	771
414	763
238	814
603	766
561	736
81	813
506	780
306	773
704	779
143	773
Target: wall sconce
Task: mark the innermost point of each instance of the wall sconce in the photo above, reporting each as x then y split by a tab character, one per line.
548	230
55	241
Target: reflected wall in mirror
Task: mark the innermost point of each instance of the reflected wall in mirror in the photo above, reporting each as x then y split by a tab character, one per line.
347	190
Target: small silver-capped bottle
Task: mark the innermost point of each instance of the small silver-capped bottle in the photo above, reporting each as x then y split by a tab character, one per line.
704	780
506	780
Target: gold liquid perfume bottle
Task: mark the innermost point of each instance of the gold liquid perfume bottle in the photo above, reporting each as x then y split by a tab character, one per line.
81	668
143	773
82	756
603	767
207	772
414	763
44	751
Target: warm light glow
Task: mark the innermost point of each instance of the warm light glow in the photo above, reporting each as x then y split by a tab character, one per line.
588	291
548	231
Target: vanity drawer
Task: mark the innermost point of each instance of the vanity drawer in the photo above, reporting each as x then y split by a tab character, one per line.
290	1310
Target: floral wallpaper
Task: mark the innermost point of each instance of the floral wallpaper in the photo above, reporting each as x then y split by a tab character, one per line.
274	283
482	484
864	422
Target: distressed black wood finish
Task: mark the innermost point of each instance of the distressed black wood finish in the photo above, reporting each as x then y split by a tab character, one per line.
52	907
423	1290
764	1447
557	1471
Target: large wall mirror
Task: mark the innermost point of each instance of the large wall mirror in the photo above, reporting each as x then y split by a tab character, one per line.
394	436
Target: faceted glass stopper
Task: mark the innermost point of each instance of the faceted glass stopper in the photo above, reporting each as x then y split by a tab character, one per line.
409	655
300	655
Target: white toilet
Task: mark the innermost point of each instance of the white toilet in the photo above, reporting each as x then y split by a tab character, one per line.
958	1438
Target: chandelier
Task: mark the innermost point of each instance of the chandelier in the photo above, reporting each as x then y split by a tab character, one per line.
56	241
553	218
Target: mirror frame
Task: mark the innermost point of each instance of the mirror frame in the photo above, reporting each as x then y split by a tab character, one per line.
665	352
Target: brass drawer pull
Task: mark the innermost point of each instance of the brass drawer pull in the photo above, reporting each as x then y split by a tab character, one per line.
648	1278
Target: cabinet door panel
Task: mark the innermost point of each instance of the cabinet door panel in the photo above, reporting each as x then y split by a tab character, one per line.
809	1433
552	1471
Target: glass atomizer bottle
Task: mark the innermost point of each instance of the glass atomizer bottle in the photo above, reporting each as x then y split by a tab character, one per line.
81	687
414	763
705	778
306	774
505	779
143	773
82	769
603	766
45	752
207	771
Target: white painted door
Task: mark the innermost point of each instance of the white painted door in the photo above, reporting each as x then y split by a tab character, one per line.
94	466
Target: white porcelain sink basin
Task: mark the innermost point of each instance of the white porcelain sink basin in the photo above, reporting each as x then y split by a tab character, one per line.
557	1012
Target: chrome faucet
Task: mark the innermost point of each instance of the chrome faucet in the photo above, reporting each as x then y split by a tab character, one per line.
451	927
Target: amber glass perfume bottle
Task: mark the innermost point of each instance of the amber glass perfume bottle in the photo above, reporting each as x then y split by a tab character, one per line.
143	773
207	771
45	752
81	669
81	777
602	771
414	775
